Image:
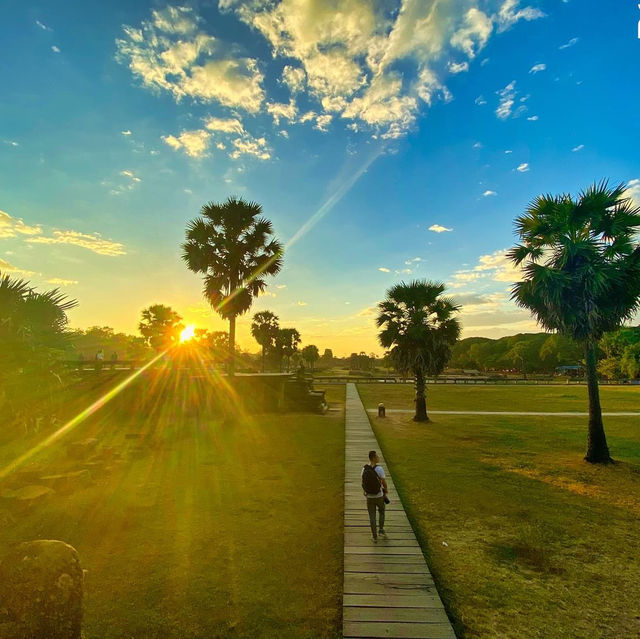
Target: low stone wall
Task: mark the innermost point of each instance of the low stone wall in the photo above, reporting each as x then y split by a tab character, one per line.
41	584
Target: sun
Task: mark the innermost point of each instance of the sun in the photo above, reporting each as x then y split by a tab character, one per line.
187	333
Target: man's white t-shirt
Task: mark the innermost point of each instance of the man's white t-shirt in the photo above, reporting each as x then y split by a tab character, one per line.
381	474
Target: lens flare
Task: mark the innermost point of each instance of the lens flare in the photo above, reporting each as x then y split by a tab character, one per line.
187	333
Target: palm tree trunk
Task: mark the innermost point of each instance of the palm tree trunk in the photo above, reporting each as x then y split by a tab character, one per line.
597	449
231	366
421	399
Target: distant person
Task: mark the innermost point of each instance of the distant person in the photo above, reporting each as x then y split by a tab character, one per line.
114	356
99	360
374	486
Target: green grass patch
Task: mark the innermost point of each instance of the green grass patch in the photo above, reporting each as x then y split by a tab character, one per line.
198	526
539	543
544	398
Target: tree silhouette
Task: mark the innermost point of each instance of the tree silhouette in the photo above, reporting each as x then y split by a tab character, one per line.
264	329
310	354
160	326
233	246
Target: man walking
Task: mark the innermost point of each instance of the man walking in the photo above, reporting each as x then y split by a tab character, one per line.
375	489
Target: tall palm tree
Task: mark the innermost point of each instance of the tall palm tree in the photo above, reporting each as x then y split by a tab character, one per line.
264	329
419	327
233	246
581	269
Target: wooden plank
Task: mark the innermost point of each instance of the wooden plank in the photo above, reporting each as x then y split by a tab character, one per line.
397	630
374	549
387	583
388	589
418	615
392	601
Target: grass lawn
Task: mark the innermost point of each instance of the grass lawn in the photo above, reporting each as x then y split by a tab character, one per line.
544	398
539	543
202	528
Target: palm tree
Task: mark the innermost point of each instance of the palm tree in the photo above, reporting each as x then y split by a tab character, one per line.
310	354
232	245
33	338
286	344
419	327
160	326
264	329
581	269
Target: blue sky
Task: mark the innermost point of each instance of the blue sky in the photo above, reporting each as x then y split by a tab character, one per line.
410	133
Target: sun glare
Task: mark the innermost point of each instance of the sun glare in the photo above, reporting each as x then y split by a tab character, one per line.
187	333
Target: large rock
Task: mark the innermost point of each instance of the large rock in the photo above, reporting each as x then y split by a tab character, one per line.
41	591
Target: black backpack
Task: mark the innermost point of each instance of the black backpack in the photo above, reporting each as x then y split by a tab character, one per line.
371	483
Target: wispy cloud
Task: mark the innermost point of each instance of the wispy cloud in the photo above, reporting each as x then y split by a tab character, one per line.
55	49
575	149
43	26
127	132
536	68
384	269
7	267
507	102
437	228
12	227
489	193
633	191
511	12
90	241
571	43
523	168
301	303
59	281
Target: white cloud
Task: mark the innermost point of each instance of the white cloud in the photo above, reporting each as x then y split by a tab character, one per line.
477	145
281	286
437	228
59	281
194	143
508	151
91	241
489	193
225	125
384	269
11	142
575	149
170	52
458	67
323	122
280	110
536	68
495	266
480	101
127	132
294	78
301	303
43	26
533	118
55	49
129	174
633	191
221	146
510	13
523	168
507	101
249	145
571	43
12	227
348	53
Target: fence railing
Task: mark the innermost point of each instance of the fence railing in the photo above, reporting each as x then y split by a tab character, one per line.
470	381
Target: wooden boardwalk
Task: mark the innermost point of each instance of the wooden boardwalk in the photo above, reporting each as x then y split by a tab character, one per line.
388	589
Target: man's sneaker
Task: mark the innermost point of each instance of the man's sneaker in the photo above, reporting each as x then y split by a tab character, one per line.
375	539
382	532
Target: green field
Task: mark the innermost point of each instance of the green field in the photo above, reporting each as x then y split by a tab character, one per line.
539	543
198	528
487	397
